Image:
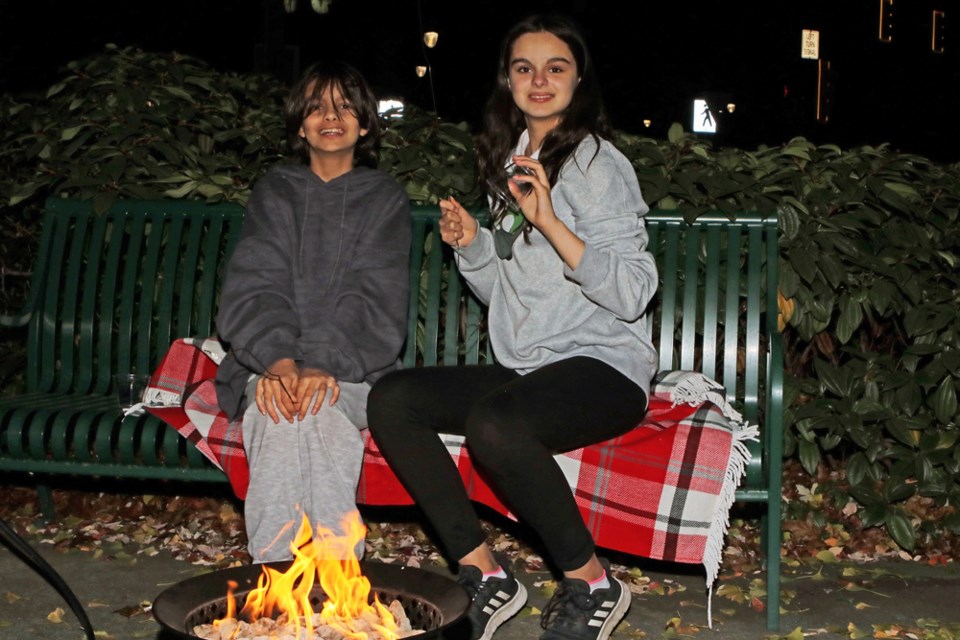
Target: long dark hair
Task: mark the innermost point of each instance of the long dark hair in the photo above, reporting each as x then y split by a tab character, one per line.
503	120
325	76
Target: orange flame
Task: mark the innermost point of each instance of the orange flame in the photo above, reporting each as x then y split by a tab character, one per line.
329	558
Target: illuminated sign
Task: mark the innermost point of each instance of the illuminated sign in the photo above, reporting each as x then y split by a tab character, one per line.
704	119
810	45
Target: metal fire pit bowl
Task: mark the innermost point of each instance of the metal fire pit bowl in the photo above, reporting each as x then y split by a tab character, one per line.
432	602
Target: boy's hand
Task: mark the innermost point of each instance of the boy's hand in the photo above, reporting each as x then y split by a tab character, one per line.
315	382
277	388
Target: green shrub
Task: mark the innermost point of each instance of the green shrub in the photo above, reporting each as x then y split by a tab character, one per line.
869	291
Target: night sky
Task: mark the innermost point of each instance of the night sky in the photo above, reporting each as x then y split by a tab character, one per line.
653	59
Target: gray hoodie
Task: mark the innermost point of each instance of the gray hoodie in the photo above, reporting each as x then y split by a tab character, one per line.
320	275
541	311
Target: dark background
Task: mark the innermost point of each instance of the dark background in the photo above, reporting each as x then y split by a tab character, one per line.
653	57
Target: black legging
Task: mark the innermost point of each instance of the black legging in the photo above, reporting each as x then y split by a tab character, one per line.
513	425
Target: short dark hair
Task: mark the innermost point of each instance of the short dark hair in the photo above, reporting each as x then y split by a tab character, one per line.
324	77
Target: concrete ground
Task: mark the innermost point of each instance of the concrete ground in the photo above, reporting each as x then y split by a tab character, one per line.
832	599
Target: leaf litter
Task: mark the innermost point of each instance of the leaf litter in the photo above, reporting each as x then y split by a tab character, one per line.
209	532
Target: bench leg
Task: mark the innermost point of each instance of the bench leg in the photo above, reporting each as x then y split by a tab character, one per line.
770	541
45	497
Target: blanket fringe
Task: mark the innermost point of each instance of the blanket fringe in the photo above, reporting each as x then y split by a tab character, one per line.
153	397
694	389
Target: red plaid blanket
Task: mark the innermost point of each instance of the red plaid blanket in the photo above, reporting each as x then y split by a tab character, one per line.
661	491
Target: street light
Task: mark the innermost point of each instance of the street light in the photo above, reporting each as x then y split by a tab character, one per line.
430	39
731	107
421	71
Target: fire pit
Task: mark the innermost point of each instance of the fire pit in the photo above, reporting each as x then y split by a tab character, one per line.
432	602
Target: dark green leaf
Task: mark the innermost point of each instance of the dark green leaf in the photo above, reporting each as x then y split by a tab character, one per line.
902	432
867	496
856	469
809	456
103	201
945	401
831	377
850	318
804	263
900	529
896	489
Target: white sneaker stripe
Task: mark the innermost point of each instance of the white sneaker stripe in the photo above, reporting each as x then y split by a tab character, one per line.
496	601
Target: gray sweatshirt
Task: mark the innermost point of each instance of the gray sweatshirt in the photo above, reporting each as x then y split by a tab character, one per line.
319	275
540	310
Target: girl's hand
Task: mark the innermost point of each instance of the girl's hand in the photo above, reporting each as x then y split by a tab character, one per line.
536	205
315	382
277	389
457	227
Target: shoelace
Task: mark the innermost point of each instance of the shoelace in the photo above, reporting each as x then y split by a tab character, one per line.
470	586
567	607
474	588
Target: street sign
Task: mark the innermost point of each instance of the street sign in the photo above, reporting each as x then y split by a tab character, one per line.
704	120
810	45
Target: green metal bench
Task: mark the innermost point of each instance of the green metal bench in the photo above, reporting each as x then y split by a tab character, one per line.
109	293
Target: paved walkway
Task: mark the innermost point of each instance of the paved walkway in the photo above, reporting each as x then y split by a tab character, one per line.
832	600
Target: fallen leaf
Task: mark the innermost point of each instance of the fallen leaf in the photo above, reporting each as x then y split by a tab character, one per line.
826	557
892	631
129	612
732	592
56	616
860	606
796	634
11	597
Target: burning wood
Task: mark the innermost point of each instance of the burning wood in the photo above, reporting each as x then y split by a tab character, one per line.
281	629
346	614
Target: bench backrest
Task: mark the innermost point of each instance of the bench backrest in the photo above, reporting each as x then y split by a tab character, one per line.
110	292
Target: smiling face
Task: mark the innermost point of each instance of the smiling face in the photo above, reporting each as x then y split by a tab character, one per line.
543	77
331	128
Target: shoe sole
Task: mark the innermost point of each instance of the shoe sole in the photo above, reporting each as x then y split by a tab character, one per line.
504	613
617	613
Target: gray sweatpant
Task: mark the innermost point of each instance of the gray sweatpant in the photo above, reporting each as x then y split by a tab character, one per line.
308	467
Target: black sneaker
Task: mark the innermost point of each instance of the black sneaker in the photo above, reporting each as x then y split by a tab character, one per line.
492	602
574	613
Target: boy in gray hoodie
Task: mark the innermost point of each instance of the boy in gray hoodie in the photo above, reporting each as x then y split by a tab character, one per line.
314	309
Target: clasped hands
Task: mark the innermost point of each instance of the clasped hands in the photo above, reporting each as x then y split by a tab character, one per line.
458	228
291	390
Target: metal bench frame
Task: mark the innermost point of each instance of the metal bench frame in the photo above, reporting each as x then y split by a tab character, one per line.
110	292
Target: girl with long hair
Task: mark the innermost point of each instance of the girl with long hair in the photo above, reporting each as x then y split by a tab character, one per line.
566	275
